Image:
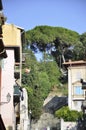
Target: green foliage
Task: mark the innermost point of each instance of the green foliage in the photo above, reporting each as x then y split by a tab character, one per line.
57	45
48	34
44	84
83	41
53	72
56	39
43	75
79	51
83	38
67	114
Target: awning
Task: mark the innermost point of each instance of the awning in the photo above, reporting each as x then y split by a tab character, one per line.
2	50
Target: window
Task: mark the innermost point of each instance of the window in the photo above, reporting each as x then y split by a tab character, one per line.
78	90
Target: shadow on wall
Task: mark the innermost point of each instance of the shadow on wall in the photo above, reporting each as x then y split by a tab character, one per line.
2	126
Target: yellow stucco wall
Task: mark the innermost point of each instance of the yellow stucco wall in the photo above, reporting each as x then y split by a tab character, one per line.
11	35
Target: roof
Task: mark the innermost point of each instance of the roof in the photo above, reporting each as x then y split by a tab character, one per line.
80	62
21	28
55	103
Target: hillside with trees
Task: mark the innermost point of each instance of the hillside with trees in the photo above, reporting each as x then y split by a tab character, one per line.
57	45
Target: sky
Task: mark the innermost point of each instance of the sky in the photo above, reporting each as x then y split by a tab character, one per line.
70	14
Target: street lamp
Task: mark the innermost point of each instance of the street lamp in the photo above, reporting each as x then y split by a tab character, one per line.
8	97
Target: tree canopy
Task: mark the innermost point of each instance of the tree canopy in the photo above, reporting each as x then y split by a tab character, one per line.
57	40
43	35
39	81
67	114
58	45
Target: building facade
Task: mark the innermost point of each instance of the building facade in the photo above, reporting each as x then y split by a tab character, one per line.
76	72
2	56
13	38
7	81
